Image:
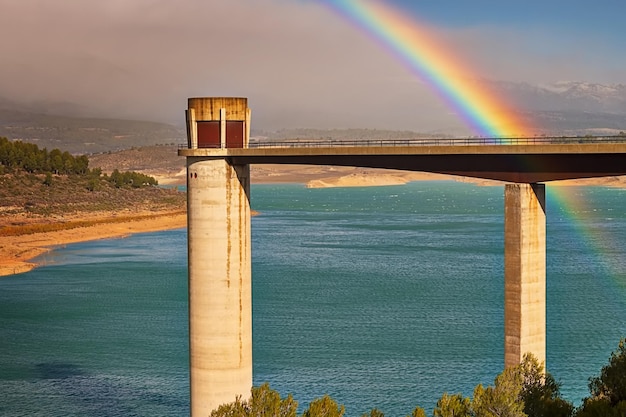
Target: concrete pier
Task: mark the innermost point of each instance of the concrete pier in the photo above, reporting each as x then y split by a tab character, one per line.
524	272
220	270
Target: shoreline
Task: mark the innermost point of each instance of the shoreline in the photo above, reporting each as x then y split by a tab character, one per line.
18	250
22	243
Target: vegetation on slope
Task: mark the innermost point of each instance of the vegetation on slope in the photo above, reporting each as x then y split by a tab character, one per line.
41	186
162	159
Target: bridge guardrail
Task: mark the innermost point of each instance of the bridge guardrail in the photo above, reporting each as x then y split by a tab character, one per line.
472	141
540	140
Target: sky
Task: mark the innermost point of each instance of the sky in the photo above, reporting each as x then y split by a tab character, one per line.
299	62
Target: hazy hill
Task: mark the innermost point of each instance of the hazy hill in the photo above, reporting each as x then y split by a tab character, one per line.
84	135
579	123
570	108
158	161
341	134
570	96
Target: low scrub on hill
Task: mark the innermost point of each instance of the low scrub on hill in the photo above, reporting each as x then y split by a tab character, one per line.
44	194
39	182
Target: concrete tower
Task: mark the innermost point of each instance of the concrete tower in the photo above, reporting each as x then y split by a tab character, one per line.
220	293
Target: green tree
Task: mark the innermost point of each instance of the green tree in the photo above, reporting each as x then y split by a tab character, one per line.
324	407
264	402
611	383
237	408
81	165
68	163
540	391
418	412
117	178
598	407
608	390
501	400
48	180
453	406
93	184
56	161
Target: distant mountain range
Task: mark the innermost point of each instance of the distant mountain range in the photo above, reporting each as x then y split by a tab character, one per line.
570	107
64	126
564	108
568	96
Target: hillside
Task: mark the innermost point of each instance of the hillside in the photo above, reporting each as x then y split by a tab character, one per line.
161	162
26	199
41	186
80	135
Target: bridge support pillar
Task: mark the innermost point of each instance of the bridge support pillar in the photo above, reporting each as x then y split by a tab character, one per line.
524	272
220	293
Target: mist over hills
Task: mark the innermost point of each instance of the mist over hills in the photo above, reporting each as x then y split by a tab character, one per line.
570	107
567	96
564	108
69	127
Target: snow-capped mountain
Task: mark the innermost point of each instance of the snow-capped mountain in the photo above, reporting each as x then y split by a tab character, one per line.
566	96
569	107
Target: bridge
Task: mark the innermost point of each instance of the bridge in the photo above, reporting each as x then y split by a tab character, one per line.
521	160
219	154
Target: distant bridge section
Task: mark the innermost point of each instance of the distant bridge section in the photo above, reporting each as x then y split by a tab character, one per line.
520	160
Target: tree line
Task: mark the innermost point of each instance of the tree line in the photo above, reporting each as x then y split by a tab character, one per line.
22	156
28	157
526	390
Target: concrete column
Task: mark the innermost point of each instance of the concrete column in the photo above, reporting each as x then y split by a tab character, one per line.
524	272
220	293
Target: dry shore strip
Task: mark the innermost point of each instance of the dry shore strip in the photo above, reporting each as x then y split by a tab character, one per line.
18	249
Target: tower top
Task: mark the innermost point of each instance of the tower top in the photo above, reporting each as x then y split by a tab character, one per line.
218	122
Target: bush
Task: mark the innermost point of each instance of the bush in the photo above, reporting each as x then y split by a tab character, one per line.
263	402
48	180
324	407
608	390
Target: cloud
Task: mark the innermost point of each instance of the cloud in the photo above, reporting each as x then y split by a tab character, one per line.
298	63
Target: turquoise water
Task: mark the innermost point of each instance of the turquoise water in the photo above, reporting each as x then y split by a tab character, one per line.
381	297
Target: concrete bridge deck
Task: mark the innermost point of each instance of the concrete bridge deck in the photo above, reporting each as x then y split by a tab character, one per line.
529	160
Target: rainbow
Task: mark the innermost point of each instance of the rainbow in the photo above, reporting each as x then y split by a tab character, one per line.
417	47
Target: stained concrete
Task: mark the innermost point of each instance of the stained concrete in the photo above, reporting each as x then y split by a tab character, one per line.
524	272
220	290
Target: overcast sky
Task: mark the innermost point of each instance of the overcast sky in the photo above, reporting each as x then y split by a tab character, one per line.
299	63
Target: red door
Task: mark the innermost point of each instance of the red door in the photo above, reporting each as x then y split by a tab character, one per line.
209	134
234	133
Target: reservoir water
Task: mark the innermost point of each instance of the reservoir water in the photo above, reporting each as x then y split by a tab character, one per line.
381	297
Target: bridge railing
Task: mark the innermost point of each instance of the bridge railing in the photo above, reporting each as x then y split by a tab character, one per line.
473	141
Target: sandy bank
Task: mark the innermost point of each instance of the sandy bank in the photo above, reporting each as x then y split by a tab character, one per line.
16	251
373	179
